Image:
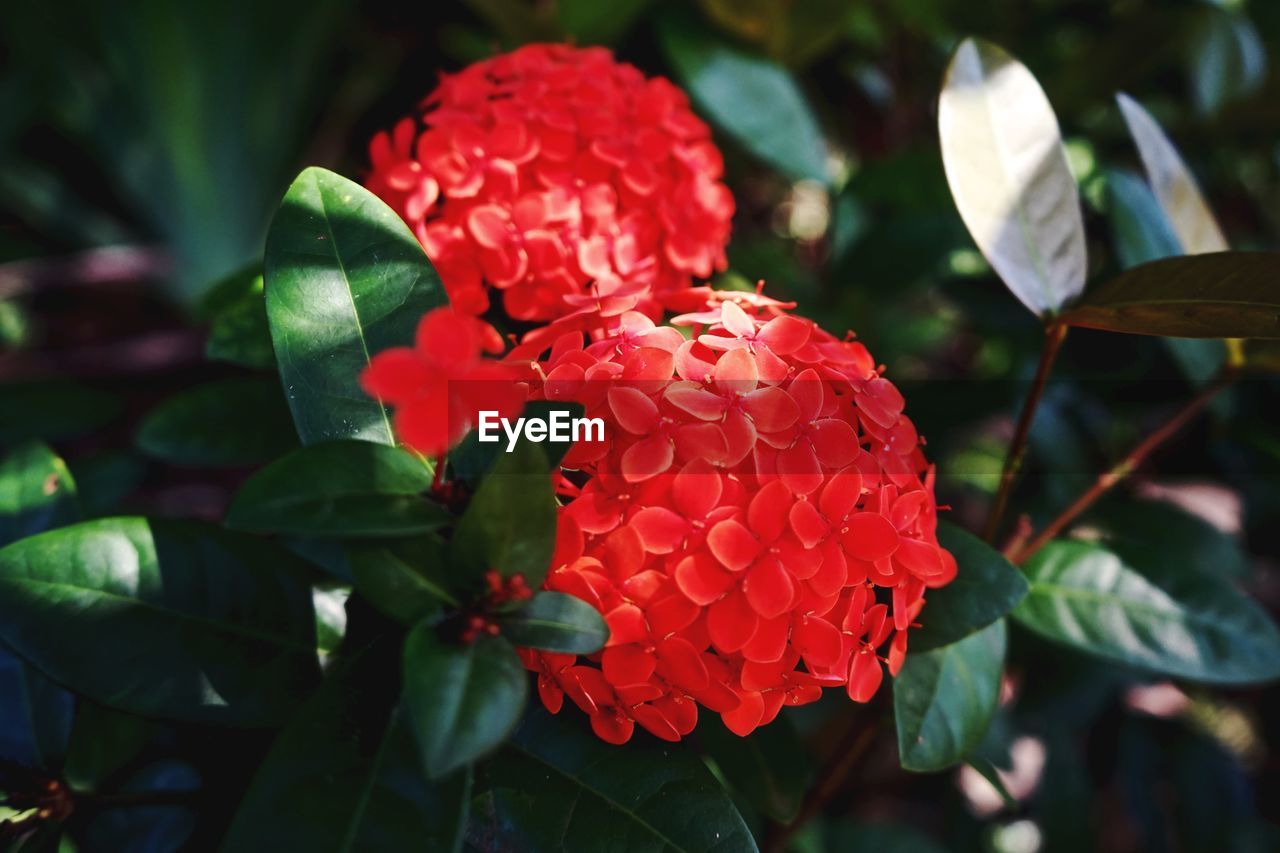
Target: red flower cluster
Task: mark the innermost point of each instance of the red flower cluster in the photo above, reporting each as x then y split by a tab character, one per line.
758	524
440	384
540	171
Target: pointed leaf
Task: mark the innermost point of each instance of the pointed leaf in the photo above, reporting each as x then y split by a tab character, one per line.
555	622
406	579
510	524
232	422
943	700
753	99
344	777
339	489
1219	295
37	492
461	700
1008	172
1183	624
345	278
1172	182
555	785
770	768
986	587
167	619
35	715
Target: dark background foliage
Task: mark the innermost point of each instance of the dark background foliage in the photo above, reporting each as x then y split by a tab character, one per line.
145	145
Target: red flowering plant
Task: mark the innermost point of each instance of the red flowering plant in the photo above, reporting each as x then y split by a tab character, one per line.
550	170
739	554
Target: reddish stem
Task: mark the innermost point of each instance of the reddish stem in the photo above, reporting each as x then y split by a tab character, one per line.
1108	479
1055	334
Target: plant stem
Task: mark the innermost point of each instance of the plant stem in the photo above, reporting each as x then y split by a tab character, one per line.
855	744
1108	479
1055	334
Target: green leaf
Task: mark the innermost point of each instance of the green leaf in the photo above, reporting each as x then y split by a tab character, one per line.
345	279
238	331
510	524
1183	624
471	459
1228	59
986	587
770	768
1140	230
591	22
103	742
330	603
754	100
555	622
339	489
167	619
555	785
231	422
1008	173
943	699
35	715
403	579
53	411
988	771
1174	186
147	826
104	480
461	701
1218	295
343	777
1159	537
37	492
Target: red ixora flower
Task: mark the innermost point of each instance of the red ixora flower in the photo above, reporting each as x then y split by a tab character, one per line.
439	385
758	525
550	169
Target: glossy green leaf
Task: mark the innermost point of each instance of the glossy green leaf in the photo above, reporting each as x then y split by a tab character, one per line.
1174	186
1141	232
166	619
35	715
344	777
943	699
406	579
1008	173
461	701
986	587
231	422
510	524
37	492
345	279
1218	295
753	99
1183	624
555	785
339	489
770	768
555	622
